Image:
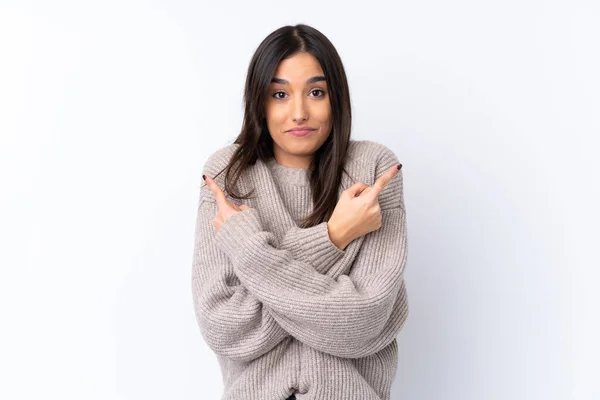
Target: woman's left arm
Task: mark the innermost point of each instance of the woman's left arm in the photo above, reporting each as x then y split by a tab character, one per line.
350	316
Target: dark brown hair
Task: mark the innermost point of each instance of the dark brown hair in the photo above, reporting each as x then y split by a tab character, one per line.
255	142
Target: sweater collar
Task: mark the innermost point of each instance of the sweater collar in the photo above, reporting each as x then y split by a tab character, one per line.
288	175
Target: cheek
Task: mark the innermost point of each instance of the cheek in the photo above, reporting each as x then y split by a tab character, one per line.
324	116
275	115
321	112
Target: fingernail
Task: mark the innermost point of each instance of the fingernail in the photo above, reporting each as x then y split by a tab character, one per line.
399	166
204	177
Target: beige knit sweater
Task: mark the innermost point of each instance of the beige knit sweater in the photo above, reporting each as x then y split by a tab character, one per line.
285	310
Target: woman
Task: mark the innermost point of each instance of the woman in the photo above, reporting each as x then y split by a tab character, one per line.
299	290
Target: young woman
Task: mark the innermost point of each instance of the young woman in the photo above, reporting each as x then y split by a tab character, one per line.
301	242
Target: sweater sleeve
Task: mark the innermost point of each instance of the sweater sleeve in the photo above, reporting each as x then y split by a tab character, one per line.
232	320
352	316
312	245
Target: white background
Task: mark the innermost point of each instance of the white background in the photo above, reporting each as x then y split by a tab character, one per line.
108	111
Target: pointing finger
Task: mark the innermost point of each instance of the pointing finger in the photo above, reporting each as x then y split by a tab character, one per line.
216	191
384	179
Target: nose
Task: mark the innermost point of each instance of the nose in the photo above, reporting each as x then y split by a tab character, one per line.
299	112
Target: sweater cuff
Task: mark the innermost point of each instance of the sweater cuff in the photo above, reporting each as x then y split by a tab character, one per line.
238	228
314	246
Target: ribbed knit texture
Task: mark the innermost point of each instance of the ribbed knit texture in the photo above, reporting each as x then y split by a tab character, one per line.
285	310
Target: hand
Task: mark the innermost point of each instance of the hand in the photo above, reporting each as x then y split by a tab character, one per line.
357	211
226	208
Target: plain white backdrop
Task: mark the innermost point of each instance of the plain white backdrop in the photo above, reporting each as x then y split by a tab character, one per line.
108	111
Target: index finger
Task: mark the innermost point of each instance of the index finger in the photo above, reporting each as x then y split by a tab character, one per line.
384	179
216	191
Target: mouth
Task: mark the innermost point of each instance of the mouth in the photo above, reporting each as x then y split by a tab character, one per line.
300	132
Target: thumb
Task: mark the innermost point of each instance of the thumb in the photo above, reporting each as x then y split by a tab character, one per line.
244	207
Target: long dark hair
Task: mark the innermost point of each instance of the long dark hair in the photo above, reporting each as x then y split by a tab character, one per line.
255	142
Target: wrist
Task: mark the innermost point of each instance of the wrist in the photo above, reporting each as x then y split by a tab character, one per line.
337	237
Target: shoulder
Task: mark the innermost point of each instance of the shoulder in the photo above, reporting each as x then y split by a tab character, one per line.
377	155
215	168
374	152
219	159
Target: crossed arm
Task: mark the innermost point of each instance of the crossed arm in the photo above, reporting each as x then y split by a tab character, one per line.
249	295
233	321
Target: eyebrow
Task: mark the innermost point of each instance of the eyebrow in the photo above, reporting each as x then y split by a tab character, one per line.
314	79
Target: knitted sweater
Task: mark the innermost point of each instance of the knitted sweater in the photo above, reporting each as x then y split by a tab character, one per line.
284	309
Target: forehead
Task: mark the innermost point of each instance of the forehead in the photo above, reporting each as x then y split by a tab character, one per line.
298	68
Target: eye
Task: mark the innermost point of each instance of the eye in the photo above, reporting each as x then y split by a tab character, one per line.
275	95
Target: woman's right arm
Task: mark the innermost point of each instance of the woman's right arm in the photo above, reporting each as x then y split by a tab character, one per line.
232	320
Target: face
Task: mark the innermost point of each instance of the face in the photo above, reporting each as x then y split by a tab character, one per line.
298	97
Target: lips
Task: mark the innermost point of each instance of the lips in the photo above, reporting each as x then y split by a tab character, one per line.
300	132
